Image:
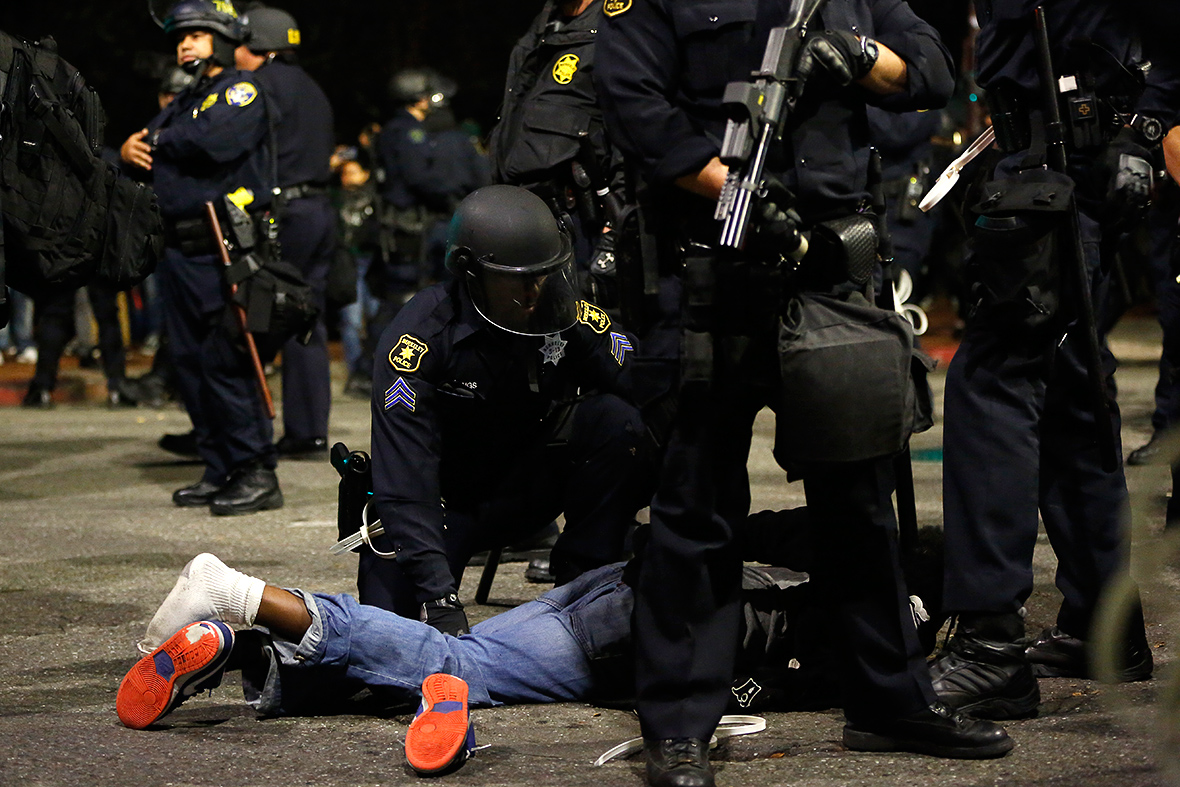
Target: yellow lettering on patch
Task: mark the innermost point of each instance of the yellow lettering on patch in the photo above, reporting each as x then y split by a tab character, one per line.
564	69
615	7
596	318
406	355
293	36
226	7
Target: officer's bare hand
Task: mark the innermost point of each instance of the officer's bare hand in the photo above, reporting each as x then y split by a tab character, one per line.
136	150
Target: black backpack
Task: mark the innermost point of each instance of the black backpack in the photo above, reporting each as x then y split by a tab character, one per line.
69	217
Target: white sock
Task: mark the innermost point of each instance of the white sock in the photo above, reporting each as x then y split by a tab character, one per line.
207	589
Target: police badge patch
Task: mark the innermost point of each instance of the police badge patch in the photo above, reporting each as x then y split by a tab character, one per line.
406	355
553	350
596	318
615	7
209	101
241	94
564	69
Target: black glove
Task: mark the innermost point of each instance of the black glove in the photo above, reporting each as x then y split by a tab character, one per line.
845	56
446	614
604	281
1125	177
775	224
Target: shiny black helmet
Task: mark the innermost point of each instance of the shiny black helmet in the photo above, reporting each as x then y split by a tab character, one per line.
217	16
411	85
515	259
271	30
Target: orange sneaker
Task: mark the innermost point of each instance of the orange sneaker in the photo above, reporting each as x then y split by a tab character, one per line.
441	736
191	660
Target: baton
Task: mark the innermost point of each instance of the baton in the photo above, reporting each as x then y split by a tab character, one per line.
223	252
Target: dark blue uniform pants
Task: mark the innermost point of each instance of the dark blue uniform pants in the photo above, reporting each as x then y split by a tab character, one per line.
1020	440
688	606
598	476
214	375
307	235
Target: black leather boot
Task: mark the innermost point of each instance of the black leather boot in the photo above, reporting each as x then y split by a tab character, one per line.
249	489
937	731
678	762
1055	654
983	670
198	494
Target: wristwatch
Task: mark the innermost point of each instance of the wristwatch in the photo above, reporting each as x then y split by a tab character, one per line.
1149	128
869	52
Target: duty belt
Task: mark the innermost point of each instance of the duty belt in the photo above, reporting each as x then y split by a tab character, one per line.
299	191
192	237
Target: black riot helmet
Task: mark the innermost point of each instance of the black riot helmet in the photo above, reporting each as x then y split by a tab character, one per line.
219	17
516	260
271	30
411	85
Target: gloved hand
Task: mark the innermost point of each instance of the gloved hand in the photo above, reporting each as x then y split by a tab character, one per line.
776	225
446	614
604	282
1125	172
844	56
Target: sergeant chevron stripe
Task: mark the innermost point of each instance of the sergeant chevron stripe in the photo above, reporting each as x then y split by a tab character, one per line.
400	393
620	345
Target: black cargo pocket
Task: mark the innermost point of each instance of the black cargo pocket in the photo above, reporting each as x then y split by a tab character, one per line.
552	134
707	33
1014	267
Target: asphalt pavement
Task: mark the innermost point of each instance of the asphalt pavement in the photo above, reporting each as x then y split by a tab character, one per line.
90	543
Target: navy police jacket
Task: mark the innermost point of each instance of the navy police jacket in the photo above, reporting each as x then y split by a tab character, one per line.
428	168
1129	30
209	142
303	124
663	66
456	401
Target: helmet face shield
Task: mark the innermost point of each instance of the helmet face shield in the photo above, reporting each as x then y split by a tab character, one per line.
533	302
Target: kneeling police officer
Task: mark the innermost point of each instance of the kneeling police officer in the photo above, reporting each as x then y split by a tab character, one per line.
500	401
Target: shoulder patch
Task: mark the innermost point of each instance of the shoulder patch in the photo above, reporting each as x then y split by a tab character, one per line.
615	7
620	345
417	136
241	94
406	355
401	393
596	318
565	68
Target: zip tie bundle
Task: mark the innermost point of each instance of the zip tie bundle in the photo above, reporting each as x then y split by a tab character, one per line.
728	727
365	535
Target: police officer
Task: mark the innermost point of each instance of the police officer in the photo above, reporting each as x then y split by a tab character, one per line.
1021	435
304	139
499	402
662	67
207	144
550	137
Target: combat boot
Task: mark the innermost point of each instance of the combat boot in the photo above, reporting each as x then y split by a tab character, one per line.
249	489
983	670
1056	654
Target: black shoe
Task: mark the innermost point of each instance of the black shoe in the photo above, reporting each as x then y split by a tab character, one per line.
150	389
306	448
38	397
678	762
180	444
538	571
1055	654
120	394
249	490
983	670
937	731
1150	453
198	494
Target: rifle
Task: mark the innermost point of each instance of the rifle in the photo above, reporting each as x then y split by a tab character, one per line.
223	251
758	112
1071	235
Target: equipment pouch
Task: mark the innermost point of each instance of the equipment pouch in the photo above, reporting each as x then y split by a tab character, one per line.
847	391
841	250
1014	267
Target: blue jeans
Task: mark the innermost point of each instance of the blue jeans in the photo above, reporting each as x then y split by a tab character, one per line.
542	651
355	316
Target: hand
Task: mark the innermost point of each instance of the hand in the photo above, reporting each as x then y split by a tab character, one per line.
1125	171
446	614
844	56
604	283
136	151
776	224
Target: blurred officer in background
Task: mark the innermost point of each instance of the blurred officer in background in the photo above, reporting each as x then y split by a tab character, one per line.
304	138
207	144
502	395
1022	429
662	69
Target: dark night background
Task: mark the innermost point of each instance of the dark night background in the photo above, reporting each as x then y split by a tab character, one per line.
350	46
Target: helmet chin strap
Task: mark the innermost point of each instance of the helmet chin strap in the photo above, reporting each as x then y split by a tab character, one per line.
198	68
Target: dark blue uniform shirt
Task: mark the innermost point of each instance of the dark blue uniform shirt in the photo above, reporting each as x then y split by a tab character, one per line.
211	142
663	65
1131	30
303	123
429	169
461	401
